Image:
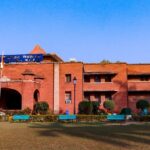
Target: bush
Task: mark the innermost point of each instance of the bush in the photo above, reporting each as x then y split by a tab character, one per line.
109	105
87	118
145	118
95	110
14	112
44	118
141	118
89	107
85	107
142	104
102	112
126	111
27	111
41	108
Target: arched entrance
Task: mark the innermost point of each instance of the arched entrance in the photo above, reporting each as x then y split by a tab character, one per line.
10	99
36	96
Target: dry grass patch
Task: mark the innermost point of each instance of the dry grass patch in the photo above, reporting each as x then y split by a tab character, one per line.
54	136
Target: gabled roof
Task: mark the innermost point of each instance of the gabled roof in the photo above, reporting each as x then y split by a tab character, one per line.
56	57
38	50
52	57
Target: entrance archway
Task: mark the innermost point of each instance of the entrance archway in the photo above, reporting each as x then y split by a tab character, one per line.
36	96
10	99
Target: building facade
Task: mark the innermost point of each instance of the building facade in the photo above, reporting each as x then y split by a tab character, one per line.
51	80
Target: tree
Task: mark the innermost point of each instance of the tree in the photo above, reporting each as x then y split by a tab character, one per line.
119	62
126	111
41	107
109	105
142	104
95	110
85	107
105	62
89	107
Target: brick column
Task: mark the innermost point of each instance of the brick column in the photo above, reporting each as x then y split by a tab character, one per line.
28	89
27	94
102	101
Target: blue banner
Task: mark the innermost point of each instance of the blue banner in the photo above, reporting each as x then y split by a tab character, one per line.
22	58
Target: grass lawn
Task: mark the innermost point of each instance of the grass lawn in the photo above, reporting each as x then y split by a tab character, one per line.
54	136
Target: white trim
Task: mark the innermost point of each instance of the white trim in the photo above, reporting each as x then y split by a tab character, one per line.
56	88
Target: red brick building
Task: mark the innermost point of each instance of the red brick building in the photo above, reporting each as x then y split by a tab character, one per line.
25	83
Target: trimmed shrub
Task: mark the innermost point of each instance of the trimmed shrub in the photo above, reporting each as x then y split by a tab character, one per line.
109	105
14	112
95	110
141	118
142	104
126	111
145	118
89	107
85	107
91	118
27	111
102	112
41	108
44	118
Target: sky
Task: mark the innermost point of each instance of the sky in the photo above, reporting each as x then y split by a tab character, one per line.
88	30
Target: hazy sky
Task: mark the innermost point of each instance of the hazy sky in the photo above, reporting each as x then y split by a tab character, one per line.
88	30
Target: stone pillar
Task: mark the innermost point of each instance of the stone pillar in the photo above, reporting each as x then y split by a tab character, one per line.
56	88
102	100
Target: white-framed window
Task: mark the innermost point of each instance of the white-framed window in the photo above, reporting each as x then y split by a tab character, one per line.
68	97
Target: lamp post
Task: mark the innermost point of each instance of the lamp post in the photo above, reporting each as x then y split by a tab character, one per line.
74	83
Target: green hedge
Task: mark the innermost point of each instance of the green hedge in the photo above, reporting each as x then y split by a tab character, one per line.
87	118
4	118
41	108
141	118
80	118
44	118
54	118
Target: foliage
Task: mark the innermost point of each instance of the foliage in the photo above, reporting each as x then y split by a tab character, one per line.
126	111
87	118
14	112
44	118
105	62
95	110
119	62
27	111
102	112
41	107
89	107
141	118
85	107
109	105
3	118
142	104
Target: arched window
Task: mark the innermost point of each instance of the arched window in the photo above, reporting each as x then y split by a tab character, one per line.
36	96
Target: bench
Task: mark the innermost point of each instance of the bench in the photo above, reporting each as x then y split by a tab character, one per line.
115	117
21	117
67	117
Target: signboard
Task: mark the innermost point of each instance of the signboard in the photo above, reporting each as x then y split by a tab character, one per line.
22	58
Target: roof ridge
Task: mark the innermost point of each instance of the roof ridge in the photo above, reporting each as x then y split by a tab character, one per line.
37	50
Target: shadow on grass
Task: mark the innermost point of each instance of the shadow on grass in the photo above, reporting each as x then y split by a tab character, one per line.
117	135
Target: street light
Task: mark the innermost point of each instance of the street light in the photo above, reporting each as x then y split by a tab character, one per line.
74	83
